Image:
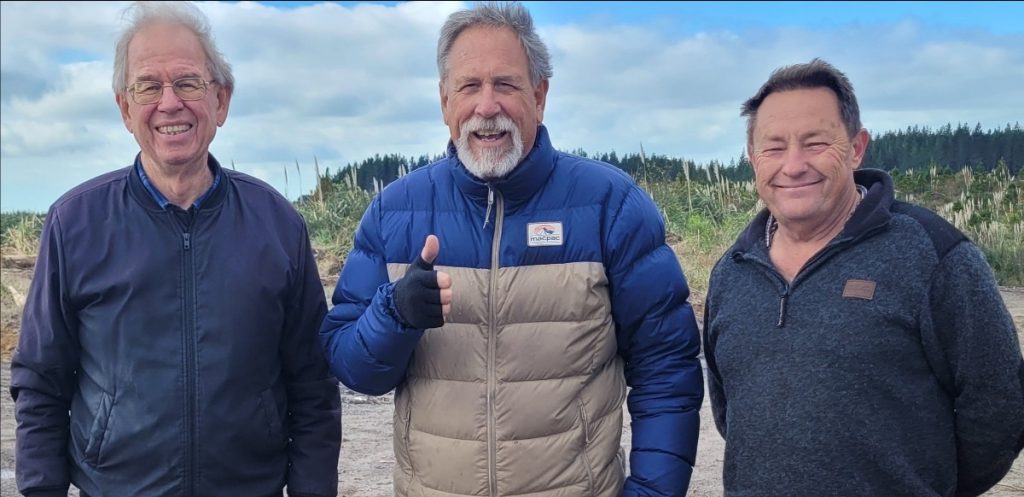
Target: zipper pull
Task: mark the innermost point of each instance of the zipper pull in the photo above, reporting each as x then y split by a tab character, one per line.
782	308
187	238
490	203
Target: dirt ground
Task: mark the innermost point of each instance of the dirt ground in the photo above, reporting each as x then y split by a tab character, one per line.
366	457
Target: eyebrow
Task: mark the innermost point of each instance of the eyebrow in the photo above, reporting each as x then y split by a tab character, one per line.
497	79
813	134
507	79
801	137
150	77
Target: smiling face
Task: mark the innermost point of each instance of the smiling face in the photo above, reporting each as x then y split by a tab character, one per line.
174	134
491	108
803	157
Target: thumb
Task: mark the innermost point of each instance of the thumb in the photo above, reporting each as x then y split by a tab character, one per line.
430	249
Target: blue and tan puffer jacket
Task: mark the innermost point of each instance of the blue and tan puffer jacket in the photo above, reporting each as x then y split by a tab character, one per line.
565	293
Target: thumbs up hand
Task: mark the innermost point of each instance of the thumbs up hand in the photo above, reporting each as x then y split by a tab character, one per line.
423	297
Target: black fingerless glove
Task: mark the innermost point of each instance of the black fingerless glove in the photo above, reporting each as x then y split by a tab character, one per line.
418	298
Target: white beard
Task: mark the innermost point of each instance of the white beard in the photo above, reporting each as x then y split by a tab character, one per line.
490	163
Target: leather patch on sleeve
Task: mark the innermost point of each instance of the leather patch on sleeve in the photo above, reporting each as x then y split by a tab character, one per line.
859	289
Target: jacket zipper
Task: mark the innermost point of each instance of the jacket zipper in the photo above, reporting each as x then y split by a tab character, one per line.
782	307
499	217
188	337
490	203
786	286
808	268
586	445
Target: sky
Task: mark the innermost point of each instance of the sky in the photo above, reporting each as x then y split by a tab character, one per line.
343	81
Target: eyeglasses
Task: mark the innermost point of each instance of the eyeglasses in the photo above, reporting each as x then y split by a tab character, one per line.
149	92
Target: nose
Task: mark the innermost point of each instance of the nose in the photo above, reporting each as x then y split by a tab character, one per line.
794	161
169	101
488	105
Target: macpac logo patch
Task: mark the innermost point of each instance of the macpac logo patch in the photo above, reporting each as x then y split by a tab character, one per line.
859	289
544	234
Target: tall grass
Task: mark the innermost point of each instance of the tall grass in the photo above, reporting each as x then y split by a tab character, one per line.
704	216
703	211
19	232
332	213
702	220
986	206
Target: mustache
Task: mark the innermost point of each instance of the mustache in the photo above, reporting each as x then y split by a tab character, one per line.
497	124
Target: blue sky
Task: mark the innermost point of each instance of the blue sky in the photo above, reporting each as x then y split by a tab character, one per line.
692	17
345	81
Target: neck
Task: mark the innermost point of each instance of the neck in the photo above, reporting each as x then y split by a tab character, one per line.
792	244
181	185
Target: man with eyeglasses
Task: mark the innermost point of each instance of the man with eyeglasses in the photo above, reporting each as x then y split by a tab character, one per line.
169	340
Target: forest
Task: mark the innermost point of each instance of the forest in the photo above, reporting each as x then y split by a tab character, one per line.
915	148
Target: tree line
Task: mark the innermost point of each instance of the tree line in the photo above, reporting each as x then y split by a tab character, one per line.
914	148
955	148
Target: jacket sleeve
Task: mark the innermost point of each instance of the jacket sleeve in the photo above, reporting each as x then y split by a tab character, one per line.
715	391
658	339
314	402
367	347
43	373
977	357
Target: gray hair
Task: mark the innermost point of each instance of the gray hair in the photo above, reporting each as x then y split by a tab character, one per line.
142	14
511	15
815	74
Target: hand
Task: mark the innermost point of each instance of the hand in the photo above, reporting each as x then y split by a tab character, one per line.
423	297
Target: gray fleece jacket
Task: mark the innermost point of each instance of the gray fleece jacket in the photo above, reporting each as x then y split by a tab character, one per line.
888	366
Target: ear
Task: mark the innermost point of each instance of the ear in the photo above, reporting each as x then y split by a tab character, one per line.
223	102
444	101
860	147
540	95
750	155
122	103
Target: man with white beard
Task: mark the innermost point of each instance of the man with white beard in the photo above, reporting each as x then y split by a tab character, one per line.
510	293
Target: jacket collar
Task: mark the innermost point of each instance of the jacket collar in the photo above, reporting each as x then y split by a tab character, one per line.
519	185
212	199
873	212
875	209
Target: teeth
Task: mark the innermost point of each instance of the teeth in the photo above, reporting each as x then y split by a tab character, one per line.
173	130
485	134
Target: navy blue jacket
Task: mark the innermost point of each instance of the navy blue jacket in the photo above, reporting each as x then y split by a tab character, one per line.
159	357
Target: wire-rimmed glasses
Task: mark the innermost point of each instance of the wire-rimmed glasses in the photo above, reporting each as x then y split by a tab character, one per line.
188	88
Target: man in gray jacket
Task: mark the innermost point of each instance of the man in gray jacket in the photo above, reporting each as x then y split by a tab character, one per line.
856	345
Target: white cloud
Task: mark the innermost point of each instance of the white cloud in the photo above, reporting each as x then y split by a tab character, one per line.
682	95
345	82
